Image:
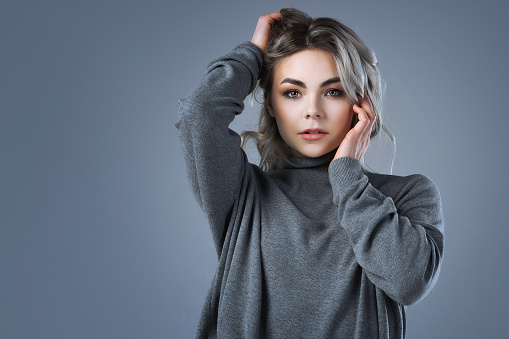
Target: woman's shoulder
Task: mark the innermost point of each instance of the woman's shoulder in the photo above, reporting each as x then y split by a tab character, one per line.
416	184
392	178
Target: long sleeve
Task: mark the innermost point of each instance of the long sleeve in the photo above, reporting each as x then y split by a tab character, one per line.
397	236
215	162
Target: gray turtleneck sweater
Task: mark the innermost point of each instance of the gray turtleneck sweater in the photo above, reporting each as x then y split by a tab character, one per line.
305	251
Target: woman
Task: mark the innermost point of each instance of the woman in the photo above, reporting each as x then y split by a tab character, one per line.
310	244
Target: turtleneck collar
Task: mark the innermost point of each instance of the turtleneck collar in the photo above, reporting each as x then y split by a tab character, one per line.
305	162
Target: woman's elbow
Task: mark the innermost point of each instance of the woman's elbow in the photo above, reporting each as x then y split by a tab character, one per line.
416	286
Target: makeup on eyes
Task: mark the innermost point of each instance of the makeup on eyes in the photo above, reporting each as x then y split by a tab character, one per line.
331	92
294	93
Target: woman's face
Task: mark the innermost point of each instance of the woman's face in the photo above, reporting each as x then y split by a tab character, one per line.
312	112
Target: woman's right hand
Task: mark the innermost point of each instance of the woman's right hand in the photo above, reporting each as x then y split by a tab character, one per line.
262	31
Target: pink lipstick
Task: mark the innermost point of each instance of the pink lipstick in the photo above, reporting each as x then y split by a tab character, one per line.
313	133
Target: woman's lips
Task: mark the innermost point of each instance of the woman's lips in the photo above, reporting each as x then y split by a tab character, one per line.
313	133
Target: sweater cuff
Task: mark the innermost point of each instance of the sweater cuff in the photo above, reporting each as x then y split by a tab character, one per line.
344	172
249	55
258	54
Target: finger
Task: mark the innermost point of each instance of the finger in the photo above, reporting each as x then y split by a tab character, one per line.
362	115
365	103
263	27
365	124
267	20
274	16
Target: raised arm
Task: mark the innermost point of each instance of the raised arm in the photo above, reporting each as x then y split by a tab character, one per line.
396	229
215	162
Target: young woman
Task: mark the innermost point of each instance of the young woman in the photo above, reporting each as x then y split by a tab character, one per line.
310	244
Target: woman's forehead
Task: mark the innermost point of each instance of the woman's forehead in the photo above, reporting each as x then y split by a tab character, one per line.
309	66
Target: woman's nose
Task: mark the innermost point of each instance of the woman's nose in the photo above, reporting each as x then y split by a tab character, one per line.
313	109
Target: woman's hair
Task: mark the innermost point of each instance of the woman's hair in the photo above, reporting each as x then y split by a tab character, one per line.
356	64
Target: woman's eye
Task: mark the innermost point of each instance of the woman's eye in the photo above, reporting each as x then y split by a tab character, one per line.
334	92
292	94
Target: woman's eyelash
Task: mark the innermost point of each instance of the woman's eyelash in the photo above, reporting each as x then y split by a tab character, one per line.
292	94
334	92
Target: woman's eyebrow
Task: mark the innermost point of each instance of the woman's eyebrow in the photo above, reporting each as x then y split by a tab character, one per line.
303	85
330	81
293	82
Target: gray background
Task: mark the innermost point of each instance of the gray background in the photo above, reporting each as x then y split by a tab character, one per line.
100	236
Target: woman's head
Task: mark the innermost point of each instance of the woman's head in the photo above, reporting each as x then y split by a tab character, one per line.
327	40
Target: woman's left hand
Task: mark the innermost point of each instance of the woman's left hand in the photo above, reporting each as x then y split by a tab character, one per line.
356	141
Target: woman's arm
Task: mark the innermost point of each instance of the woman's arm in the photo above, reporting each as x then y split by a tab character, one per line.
397	236
215	162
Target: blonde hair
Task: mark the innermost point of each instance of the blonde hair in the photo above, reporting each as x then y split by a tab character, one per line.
356	64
